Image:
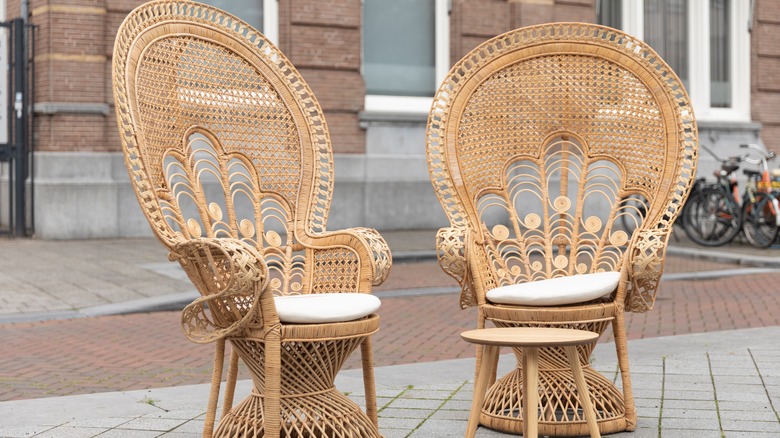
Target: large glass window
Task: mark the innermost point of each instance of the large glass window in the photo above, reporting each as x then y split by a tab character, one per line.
250	11
706	42
610	13
666	30
399	47
720	62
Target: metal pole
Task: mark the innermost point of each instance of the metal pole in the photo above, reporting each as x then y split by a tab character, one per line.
9	127
24	9
31	124
20	94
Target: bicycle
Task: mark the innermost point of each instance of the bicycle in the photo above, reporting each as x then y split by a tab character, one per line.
760	218
713	215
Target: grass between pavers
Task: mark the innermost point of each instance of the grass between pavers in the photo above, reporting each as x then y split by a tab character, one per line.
715	396
763	383
431	413
663	387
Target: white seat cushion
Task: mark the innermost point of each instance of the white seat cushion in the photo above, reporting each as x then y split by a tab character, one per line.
557	291
322	308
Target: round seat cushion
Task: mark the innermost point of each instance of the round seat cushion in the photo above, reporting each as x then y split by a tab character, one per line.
324	308
557	291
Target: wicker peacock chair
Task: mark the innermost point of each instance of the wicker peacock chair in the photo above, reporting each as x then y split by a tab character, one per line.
230	159
541	143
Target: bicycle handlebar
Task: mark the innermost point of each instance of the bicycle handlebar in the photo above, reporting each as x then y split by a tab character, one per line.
765	154
737	158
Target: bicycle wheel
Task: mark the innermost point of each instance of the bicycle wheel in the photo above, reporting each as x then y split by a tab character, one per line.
758	221
712	217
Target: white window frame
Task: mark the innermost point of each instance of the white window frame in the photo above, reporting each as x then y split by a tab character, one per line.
415	104
271	20
699	56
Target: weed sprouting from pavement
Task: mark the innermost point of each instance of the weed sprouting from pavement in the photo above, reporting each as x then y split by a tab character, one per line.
151	402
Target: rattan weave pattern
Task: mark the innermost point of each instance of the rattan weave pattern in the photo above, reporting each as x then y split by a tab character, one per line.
580	97
229	156
535	141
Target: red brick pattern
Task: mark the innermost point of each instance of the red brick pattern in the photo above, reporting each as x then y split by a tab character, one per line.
765	61
322	39
474	21
139	351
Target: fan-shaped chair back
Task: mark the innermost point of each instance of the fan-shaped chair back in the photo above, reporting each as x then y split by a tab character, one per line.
222	137
548	141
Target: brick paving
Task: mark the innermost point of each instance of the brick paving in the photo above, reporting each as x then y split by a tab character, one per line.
85	355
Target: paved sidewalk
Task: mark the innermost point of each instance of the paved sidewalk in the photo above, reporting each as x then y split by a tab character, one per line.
717	385
44	280
57	298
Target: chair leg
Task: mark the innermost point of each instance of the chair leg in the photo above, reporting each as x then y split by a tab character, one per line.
216	381
621	345
480	349
230	382
582	391
530	392
367	355
480	386
272	424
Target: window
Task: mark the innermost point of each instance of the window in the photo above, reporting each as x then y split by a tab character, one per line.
609	13
666	30
260	14
399	47
706	42
720	65
405	53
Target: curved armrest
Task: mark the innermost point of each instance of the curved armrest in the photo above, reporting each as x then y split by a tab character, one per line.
644	267
231	277
373	253
451	244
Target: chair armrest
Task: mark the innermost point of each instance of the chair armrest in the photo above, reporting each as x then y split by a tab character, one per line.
451	250
231	278
644	266
374	257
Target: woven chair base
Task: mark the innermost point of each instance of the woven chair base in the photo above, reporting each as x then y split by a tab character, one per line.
329	414
310	404
560	411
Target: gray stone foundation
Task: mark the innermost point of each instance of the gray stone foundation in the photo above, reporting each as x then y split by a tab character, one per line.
88	195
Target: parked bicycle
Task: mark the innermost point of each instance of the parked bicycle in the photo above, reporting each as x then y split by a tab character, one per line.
716	212
712	216
760	218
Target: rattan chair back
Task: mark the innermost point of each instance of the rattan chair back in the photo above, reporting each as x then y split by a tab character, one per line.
222	136
537	139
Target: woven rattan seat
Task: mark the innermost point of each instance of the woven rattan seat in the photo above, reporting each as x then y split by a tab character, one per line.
230	158
536	140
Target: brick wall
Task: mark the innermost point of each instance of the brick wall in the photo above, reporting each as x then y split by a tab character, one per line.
73	43
765	65
474	21
322	39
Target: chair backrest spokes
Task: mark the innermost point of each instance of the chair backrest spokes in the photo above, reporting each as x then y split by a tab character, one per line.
557	214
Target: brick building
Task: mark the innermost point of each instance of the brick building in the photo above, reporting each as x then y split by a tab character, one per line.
374	66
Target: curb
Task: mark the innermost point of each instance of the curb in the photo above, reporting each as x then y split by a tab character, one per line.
721	256
178	301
